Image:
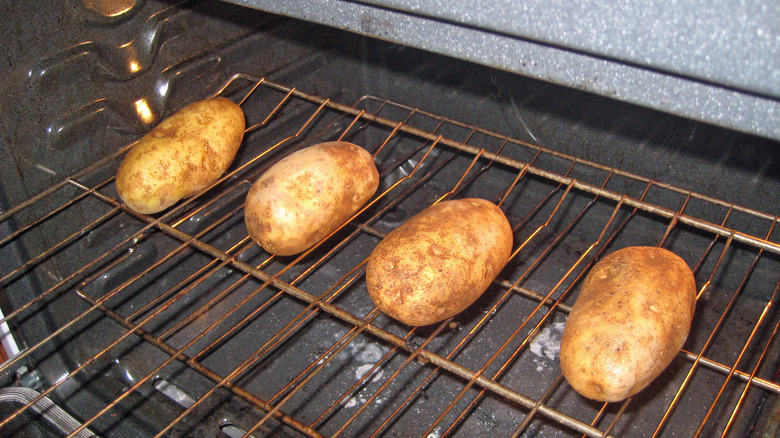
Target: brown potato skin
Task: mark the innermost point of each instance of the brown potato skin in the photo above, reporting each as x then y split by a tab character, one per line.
181	156
307	195
630	319
440	261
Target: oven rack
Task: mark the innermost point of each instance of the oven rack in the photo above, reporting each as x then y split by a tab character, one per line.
82	219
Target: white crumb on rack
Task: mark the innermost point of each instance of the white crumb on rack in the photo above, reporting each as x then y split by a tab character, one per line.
353	401
547	343
362	370
366	352
435	434
362	397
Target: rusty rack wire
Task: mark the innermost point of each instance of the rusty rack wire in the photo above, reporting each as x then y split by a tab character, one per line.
208	300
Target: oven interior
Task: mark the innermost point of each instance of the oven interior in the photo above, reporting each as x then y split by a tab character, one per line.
177	324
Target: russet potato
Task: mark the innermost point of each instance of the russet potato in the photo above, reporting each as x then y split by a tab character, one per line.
440	261
184	154
308	194
631	318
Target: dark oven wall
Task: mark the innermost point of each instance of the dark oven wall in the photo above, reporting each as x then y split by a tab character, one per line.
84	78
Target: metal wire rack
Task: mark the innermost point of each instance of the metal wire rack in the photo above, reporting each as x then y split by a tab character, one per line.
187	306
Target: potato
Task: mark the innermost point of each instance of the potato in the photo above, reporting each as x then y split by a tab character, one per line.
630	319
307	195
440	261
181	156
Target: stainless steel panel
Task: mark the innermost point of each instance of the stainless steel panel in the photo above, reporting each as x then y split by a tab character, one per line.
718	63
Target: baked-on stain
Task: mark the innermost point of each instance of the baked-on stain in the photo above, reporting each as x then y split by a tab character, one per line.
181	156
307	195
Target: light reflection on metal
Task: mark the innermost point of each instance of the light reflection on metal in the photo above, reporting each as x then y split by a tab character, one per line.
109	8
134	66
144	111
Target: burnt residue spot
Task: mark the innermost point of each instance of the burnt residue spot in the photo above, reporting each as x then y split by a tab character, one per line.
486	420
412	344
